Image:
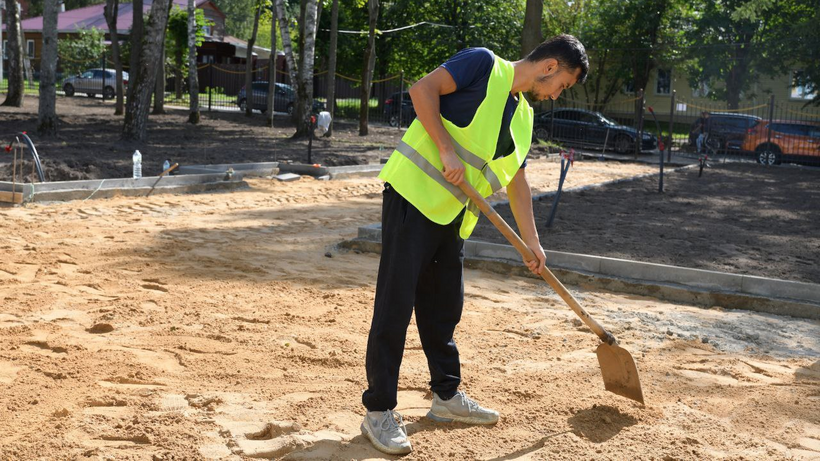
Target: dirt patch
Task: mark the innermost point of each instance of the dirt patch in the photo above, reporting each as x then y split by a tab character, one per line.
88	146
234	335
738	218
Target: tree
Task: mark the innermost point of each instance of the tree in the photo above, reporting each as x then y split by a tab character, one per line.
14	52
531	36
36	7
272	68
111	12
301	76
331	68
177	42
367	67
137	32
193	75
82	51
47	112
141	84
249	62
239	16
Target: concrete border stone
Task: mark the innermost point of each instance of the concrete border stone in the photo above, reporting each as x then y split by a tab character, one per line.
697	286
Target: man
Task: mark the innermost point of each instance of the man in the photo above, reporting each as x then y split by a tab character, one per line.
702	126
473	124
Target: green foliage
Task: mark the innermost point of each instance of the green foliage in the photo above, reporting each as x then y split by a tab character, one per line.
176	40
36	6
81	52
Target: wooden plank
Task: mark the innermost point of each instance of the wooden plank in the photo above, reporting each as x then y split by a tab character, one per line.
11	197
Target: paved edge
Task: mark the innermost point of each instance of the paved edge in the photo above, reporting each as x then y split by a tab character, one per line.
673	283
60	191
271	168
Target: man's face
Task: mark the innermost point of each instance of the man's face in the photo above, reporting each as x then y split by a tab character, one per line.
553	81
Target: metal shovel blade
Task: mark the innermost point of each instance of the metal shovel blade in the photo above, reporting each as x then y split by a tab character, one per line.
619	372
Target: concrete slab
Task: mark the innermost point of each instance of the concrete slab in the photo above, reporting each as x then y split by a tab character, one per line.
287	177
257	169
780	288
355	171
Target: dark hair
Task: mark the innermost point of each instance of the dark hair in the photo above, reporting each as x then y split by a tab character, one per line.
567	50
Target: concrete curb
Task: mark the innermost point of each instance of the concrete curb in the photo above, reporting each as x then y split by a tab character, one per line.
271	168
248	170
681	284
105	188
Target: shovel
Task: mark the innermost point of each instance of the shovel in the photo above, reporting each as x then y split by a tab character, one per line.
617	365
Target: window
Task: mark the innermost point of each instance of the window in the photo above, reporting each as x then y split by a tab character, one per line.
629	87
590	118
3	55
30	48
207	29
801	87
663	81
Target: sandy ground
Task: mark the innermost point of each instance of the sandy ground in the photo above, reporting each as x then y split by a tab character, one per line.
204	326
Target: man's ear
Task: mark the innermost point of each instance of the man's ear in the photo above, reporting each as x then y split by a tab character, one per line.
549	66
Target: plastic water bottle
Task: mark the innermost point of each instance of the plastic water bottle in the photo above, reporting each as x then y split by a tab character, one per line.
166	165
137	157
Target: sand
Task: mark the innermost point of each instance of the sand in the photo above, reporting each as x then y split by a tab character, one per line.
229	326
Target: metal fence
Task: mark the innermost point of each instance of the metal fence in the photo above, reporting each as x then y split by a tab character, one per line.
772	132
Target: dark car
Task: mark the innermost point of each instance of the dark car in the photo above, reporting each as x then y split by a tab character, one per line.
284	98
586	128
391	109
729	130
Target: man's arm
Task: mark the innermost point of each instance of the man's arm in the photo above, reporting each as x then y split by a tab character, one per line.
520	197
425	95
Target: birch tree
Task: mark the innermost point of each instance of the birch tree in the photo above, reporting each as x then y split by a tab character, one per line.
272	67
367	68
302	77
531	36
47	112
331	67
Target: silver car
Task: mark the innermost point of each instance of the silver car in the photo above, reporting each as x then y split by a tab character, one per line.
93	82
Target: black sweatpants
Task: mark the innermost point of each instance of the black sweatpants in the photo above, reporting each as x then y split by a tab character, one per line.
421	267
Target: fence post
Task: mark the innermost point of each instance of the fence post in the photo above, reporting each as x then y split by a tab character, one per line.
639	110
401	98
210	83
771	116
671	129
552	123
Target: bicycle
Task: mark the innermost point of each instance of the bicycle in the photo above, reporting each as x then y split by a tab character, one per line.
711	146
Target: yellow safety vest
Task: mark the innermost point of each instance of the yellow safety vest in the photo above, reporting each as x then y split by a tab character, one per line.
415	169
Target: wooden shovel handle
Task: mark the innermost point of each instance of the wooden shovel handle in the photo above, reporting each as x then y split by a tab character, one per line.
528	255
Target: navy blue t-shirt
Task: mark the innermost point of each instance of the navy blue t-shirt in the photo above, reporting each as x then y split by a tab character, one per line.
470	69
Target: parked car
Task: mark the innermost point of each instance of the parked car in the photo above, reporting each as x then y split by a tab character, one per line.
728	129
586	128
790	141
91	83
284	98
391	109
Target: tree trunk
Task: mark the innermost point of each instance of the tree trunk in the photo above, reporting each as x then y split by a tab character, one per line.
249	96
111	12
159	84
193	72
272	69
331	69
137	32
136	114
531	35
304	103
284	30
14	53
47	123
367	68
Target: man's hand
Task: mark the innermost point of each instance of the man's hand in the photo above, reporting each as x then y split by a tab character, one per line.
453	168
536	265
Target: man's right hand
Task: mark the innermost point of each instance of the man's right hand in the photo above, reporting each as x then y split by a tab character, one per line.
453	168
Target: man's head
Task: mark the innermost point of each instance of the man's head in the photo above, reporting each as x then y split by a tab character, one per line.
559	62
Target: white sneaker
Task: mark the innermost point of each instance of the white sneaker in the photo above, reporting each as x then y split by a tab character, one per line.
386	432
462	409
